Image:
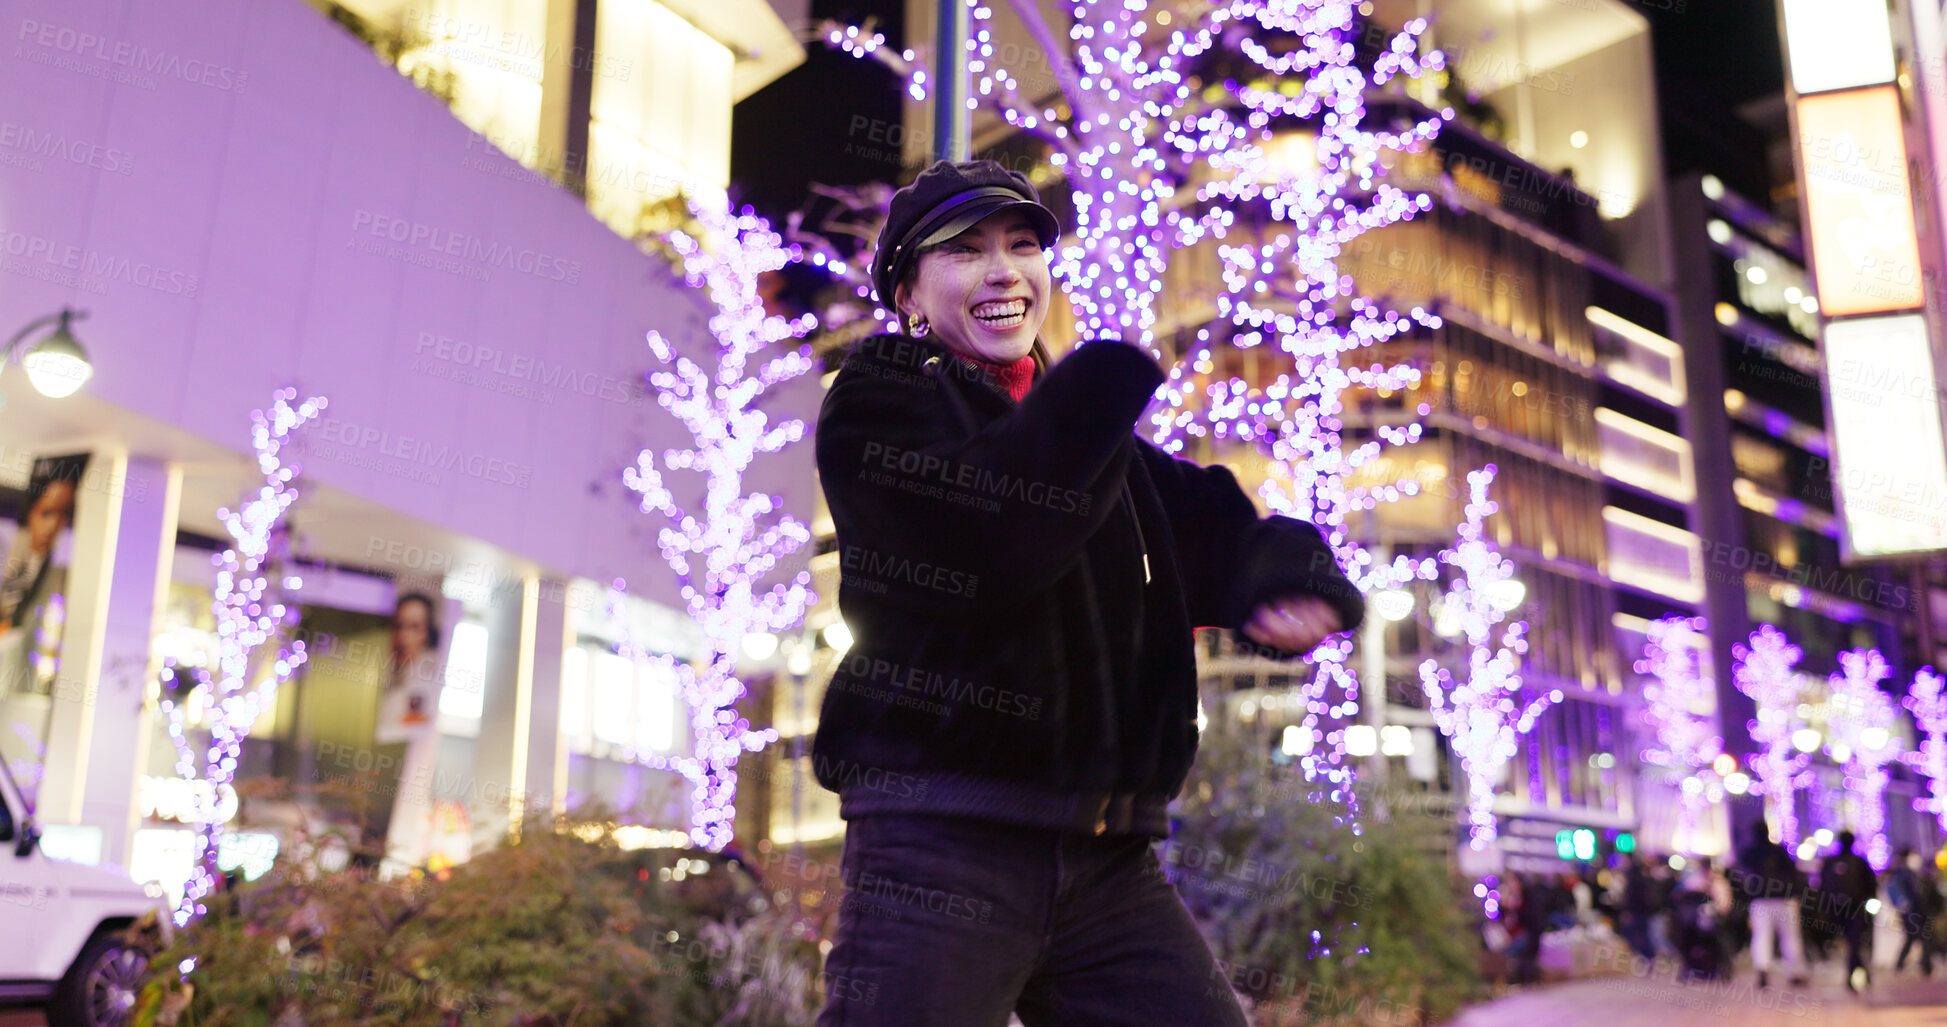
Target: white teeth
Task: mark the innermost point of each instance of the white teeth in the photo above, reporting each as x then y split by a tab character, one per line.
1001	313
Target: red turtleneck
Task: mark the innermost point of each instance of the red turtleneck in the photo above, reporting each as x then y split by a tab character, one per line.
1014	377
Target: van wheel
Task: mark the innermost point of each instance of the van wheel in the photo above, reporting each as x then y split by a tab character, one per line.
100	988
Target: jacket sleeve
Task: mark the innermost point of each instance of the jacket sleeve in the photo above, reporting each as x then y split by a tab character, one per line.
1013	502
1233	560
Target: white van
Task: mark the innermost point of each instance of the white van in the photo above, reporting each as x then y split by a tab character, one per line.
60	927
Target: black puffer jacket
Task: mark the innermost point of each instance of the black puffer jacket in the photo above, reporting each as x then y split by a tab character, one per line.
1021	583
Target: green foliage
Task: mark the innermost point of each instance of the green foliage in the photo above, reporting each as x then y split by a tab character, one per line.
1310	921
552	930
758	972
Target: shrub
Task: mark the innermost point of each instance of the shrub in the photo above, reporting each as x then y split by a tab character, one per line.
552	930
1313	920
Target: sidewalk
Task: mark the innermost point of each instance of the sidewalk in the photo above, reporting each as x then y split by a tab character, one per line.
1657	999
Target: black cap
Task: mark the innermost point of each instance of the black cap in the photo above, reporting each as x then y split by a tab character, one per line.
945	200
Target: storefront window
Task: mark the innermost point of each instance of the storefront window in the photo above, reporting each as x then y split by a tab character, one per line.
462	692
614	687
656	708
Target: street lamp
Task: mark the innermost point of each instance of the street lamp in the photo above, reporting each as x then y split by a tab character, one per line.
57	365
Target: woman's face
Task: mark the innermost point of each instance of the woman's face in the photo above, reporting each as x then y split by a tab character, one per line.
983	292
411	629
49	515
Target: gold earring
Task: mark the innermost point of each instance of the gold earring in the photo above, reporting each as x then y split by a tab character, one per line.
916	326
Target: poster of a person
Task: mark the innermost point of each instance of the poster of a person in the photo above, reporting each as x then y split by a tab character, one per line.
410	704
34	574
30	572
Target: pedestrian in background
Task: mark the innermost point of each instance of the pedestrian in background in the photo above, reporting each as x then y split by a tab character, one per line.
1768	877
1915	892
1846	884
1639	907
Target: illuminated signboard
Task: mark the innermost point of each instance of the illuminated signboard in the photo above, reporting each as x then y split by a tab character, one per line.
1838	44
1891	467
1865	256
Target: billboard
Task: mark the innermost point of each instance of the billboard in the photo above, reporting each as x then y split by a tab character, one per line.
1865	255
1838	44
1890	472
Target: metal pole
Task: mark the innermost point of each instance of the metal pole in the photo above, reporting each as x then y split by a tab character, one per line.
1372	669
797	745
952	121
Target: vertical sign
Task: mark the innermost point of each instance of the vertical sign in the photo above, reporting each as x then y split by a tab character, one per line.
1838	44
1865	255
1891	470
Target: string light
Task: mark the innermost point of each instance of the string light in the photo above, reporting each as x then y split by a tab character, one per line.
1680	703
740	536
862	42
1482	716
253	616
1764	671
1929	706
1283	287
1863	719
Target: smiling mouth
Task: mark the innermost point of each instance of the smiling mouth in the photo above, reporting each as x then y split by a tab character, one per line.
1001	315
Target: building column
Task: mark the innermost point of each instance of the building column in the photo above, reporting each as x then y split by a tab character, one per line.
545	789
1716	515
514	758
124	544
567	92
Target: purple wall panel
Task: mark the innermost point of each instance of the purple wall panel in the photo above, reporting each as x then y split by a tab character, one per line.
294	212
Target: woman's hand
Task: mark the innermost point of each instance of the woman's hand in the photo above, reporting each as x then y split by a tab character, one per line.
1295	624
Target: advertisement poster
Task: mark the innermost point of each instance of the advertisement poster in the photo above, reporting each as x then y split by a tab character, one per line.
33	578
407	731
409	706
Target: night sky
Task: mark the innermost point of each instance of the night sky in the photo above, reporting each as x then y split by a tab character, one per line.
826	120
1710	57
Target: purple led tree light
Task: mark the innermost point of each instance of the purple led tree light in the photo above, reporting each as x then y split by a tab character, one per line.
1764	671
1680	706
252	620
867	44
1121	128
1929	706
1862	721
739	537
853	215
1284	288
1482	716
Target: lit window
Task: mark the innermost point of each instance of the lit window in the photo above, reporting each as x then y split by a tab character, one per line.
462	692
656	708
614	681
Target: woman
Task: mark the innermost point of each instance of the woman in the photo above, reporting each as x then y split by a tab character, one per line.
1021	576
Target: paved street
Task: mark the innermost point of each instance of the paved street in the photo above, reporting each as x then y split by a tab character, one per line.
1655	1000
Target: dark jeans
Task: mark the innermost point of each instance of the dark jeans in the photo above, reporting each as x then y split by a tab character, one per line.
949	922
1919	932
1855	928
1636	931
